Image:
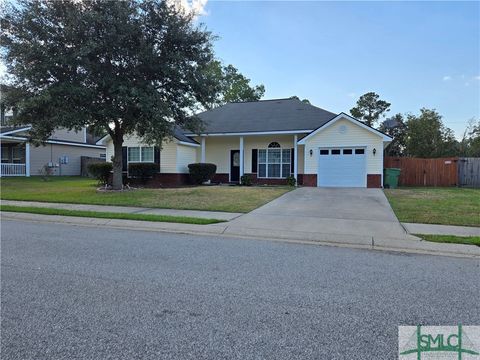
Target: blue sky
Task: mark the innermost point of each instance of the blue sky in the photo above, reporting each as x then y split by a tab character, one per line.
414	54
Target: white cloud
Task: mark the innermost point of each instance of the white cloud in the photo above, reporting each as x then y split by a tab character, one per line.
477	77
352	95
195	7
447	78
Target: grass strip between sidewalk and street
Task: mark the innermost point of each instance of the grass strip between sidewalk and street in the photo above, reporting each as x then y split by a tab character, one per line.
109	215
452	239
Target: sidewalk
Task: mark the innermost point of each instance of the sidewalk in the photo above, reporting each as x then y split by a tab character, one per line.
430	229
128	209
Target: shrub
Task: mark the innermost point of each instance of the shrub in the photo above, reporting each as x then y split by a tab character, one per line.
201	172
143	171
100	171
246	180
291	181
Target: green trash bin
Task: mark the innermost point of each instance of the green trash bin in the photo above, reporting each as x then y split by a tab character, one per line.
390	177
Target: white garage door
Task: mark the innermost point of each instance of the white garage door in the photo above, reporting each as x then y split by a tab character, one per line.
343	167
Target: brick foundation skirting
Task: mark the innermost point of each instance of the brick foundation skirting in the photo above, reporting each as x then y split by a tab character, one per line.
221	178
309	180
160	180
374	181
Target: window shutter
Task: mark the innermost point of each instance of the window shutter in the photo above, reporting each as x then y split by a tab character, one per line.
124	158
292	161
254	160
156	156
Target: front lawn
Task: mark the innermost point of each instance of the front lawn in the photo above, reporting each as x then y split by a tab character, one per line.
77	190
468	240
447	206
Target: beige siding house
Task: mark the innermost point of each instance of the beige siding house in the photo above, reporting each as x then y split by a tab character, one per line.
61	153
270	141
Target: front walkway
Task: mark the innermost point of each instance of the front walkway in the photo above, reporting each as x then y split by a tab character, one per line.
128	209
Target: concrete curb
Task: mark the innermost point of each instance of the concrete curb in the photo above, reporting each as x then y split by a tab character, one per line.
409	244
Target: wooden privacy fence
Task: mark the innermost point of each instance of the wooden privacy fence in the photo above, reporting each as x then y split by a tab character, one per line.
469	172
425	172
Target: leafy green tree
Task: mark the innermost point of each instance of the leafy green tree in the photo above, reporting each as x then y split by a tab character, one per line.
470	144
306	101
230	85
428	137
370	108
396	128
125	67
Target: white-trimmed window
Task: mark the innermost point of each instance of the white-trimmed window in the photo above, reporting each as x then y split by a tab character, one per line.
140	154
274	162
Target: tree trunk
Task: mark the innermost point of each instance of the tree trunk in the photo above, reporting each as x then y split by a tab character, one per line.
117	182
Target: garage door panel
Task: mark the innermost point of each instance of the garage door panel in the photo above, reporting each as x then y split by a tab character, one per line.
346	169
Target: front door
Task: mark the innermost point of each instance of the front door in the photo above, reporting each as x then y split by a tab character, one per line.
234	165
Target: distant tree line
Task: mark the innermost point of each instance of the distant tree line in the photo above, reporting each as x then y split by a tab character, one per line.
417	135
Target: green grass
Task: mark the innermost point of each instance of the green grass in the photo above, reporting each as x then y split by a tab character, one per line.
447	206
109	215
77	190
469	240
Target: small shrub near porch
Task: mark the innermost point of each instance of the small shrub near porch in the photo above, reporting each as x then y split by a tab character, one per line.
201	172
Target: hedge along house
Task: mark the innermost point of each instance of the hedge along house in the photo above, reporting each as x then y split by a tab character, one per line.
270	140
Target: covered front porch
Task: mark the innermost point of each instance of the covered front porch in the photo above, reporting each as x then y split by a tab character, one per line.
15	157
265	158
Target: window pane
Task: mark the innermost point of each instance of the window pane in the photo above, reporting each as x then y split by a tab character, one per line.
262	156
147	154
133	154
262	170
5	153
359	151
286	156
236	159
18	153
285	170
336	152
274	170
274	156
347	151
323	152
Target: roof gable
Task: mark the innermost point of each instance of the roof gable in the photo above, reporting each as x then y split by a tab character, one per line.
342	115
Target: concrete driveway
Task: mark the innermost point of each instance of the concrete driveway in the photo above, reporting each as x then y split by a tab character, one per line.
352	214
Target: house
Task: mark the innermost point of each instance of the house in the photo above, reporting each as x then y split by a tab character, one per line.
61	153
269	140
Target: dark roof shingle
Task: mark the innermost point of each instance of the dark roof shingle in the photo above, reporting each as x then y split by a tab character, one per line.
264	115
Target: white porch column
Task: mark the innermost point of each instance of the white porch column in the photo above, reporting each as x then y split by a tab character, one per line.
295	159
241	157
27	159
202	159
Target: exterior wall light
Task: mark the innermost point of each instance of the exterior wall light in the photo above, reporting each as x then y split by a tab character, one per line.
311	152
374	151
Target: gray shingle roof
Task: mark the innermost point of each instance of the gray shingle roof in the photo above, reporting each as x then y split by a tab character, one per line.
6	129
178	134
264	115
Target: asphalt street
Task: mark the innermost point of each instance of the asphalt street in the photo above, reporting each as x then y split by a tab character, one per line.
73	292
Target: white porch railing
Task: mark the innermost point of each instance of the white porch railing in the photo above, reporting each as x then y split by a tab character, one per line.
8	169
